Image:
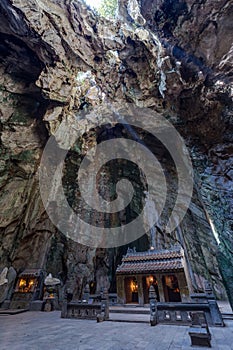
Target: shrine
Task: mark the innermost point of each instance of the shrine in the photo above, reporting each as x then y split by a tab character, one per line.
29	288
165	269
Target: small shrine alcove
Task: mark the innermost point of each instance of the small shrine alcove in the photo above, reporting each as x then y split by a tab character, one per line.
29	287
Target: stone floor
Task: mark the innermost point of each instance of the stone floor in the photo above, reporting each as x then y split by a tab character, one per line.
47	331
224	307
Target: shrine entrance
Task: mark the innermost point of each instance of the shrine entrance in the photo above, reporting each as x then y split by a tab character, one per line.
131	290
164	269
171	288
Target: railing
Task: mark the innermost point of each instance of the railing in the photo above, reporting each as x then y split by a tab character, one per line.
80	310
180	313
87	310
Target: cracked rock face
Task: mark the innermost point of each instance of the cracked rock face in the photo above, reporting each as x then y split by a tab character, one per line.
57	58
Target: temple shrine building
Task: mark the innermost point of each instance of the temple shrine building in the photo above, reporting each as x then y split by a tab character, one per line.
165	269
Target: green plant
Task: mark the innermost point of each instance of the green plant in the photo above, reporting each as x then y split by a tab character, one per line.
108	8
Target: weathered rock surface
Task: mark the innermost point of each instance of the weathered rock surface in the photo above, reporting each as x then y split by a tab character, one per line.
174	57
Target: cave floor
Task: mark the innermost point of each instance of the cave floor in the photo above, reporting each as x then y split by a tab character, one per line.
41	330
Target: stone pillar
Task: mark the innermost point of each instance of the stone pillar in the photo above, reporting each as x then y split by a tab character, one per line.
153	306
214	309
64	307
208	290
105	304
120	289
86	294
183	287
140	290
104	315
160	288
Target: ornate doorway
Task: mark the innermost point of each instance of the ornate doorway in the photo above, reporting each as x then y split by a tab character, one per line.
147	281
131	290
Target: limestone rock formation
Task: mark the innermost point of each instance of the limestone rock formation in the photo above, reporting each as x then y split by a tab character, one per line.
58	58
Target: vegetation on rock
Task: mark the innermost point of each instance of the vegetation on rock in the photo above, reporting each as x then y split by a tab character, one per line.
108	8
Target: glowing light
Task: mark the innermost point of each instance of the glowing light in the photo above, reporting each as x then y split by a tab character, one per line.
93	3
134	286
151	279
214	230
22	283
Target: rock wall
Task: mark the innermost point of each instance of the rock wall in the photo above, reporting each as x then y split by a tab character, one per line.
57	58
198	36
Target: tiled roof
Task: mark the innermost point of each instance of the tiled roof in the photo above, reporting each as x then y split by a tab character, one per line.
152	261
145	256
30	273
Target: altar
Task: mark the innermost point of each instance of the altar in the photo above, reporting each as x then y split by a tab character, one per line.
29	288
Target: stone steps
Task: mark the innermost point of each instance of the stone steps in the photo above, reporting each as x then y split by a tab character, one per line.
129	310
127	317
227	316
11	311
129	313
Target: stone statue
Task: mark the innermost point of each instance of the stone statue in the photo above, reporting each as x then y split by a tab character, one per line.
7	280
11	276
51	281
3	279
